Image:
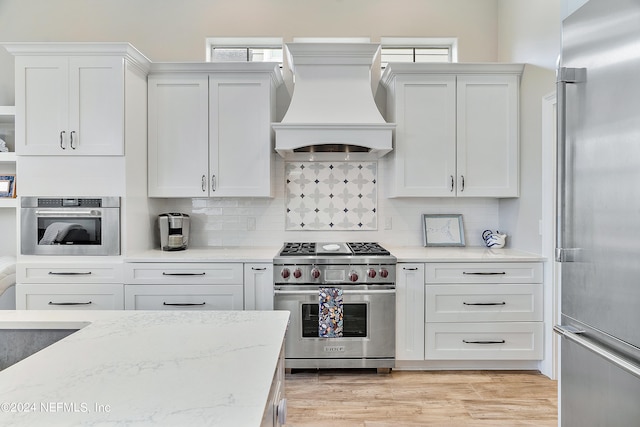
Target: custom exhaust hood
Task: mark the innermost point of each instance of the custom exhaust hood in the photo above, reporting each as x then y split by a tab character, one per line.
332	108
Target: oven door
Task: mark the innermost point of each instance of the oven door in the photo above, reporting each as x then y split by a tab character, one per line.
369	315
70	231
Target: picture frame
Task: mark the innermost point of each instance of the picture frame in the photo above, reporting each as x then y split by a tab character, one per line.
443	230
8	186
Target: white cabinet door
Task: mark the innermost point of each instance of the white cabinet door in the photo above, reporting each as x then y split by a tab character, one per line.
69	105
487	135
42	104
178	136
240	135
410	320
258	286
425	150
96	106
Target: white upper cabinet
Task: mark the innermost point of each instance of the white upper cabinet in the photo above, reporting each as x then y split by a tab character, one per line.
457	129
70	98
210	130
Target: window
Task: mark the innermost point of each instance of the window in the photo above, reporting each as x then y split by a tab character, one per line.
398	49
232	49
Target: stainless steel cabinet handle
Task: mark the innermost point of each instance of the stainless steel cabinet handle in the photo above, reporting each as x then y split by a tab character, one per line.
183	304
461	182
258	268
71	140
183	274
69	273
410	268
204	183
452	184
564	76
70	303
213	183
484	273
573	334
484	303
61	136
484	342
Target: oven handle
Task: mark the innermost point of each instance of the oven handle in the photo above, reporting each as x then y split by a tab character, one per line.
344	292
69	213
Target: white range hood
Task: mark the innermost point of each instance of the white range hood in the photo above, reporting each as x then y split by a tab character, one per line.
332	107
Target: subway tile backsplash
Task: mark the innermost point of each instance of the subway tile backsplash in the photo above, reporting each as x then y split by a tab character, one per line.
263	221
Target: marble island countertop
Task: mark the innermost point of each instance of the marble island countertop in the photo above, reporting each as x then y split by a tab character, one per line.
144	368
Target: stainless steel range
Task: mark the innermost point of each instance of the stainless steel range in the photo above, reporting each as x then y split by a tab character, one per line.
342	302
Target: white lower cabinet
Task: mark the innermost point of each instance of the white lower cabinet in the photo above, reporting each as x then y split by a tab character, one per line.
64	285
483	311
258	286
77	296
469	312
184	286
410	311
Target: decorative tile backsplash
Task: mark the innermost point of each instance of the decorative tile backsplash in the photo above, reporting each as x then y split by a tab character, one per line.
331	195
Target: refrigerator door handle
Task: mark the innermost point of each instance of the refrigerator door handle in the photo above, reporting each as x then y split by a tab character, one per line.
564	76
573	334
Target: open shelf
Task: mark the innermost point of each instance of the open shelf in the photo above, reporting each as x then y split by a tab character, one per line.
7	157
8	202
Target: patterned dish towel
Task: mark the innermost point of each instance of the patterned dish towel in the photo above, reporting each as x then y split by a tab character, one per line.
330	313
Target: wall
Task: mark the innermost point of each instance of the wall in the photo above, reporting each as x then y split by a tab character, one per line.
529	32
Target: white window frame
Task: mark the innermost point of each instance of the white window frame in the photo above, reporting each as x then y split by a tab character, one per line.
242	42
450	43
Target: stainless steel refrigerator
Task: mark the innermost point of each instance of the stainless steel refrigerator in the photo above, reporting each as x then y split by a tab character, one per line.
598	236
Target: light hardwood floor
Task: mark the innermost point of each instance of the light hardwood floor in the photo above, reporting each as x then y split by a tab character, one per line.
363	398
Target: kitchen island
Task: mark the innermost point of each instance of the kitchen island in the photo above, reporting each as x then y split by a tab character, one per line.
173	368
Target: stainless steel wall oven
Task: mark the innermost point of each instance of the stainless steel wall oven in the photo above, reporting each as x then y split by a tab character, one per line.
70	226
361	277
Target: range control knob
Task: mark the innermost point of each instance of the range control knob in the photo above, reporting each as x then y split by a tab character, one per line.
371	273
297	273
285	273
315	273
353	276
384	273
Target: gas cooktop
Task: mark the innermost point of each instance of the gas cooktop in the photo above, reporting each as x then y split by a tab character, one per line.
350	248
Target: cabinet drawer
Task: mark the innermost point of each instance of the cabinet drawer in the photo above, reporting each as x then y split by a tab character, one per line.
484	341
84	296
484	272
69	273
183	297
184	272
483	303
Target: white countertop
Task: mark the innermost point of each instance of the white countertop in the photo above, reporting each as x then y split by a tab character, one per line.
144	368
402	253
461	254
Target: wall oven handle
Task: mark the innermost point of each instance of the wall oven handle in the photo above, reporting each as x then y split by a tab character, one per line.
70	273
69	212
70	303
344	292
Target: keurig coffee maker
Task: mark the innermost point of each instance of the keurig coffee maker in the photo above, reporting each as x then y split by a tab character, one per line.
174	231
